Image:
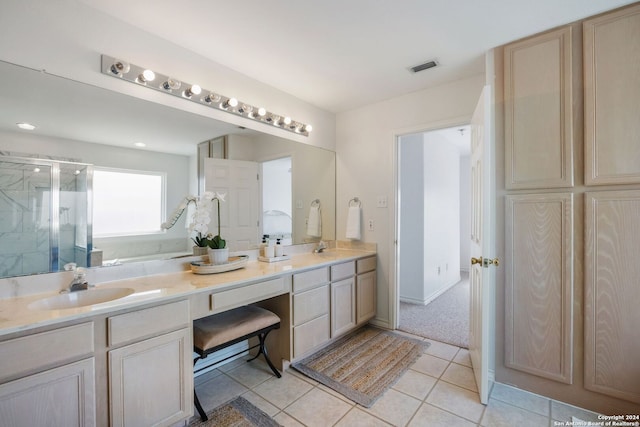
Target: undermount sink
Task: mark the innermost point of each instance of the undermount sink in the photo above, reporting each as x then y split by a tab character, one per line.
80	298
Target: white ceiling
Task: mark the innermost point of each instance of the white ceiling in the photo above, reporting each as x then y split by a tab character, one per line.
343	54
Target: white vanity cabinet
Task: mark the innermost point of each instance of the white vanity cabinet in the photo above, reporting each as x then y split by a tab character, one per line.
53	378
150	366
365	289
310	310
343	298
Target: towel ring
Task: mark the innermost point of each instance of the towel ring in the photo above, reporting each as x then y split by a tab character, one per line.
355	202
315	203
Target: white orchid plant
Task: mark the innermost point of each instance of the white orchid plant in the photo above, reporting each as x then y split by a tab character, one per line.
201	219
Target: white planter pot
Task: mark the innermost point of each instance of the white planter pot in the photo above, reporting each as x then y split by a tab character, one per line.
218	256
200	250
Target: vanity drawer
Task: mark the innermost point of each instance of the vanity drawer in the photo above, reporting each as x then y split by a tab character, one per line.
310	335
310	279
342	271
310	304
46	349
366	264
147	322
250	293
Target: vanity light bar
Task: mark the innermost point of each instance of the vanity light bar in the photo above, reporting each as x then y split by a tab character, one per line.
144	77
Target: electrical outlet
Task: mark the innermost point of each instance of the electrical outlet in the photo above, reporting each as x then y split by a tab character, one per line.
370	225
382	201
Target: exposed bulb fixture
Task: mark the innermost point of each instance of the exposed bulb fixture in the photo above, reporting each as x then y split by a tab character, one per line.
142	77
212	98
36	169
146	76
193	90
231	102
26	126
244	108
119	68
171	84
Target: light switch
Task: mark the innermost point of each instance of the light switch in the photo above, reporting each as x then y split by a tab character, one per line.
382	201
299	204
370	225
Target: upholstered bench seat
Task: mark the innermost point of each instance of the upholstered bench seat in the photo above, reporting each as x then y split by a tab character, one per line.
228	326
225	329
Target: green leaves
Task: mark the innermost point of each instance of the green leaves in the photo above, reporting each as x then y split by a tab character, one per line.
217	243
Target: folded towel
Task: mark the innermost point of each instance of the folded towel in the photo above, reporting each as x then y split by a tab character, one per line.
353	223
314	222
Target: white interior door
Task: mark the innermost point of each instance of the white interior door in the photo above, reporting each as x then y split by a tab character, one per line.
481	276
238	179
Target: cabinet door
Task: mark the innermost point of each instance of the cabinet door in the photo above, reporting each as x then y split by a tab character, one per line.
151	382
63	396
366	296
343	306
538	112
612	90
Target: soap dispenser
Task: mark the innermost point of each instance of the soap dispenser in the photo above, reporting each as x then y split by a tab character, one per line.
263	245
279	249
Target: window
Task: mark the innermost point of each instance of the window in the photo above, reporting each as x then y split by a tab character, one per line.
127	202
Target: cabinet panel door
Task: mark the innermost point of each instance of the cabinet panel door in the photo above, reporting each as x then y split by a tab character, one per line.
612	90
310	304
310	335
612	294
538	112
366	296
539	285
63	396
343	306
151	382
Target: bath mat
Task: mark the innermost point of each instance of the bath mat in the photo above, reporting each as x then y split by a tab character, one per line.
364	364
238	412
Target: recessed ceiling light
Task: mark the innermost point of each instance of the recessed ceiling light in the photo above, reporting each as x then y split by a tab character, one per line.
26	126
140	144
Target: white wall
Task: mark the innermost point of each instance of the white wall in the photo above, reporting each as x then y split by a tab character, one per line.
442	216
429	226
66	38
365	146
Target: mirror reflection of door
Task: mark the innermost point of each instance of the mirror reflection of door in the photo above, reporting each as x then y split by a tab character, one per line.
277	199
238	180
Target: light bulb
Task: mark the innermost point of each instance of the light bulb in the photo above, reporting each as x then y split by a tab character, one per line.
287	120
211	98
36	170
246	109
120	67
193	90
231	102
146	76
171	84
307	128
262	112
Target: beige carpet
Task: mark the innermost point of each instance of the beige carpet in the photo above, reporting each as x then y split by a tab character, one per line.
364	364
445	319
238	412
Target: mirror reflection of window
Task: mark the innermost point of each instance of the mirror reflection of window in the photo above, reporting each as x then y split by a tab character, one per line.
277	199
127	202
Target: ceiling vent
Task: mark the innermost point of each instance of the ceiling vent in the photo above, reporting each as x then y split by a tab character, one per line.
425	66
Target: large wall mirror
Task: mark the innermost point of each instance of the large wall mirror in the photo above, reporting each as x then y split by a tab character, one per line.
46	174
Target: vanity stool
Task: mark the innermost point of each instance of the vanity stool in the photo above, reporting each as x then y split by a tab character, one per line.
222	330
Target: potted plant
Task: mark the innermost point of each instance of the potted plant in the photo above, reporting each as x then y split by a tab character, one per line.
218	251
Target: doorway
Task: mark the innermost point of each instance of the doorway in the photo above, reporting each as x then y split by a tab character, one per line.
434	220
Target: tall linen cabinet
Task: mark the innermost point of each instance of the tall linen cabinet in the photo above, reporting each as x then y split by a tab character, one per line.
568	120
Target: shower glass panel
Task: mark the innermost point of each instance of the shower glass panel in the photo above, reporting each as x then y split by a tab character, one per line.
44	215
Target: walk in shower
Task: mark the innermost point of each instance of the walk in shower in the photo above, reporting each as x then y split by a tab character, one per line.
45	215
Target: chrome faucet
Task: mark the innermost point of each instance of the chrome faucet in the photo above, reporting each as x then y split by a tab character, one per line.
79	282
321	247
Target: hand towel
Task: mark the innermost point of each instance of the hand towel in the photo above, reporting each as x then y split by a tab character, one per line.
353	223
314	222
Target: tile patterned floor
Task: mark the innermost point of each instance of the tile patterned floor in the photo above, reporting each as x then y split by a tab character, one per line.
438	390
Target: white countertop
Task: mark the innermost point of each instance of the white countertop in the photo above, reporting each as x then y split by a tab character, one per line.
16	316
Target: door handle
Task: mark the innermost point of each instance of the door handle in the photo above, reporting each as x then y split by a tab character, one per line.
485	262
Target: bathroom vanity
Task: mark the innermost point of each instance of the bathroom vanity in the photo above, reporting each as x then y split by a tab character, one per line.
128	362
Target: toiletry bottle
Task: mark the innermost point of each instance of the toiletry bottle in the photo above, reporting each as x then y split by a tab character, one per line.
269	251
279	250
263	245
